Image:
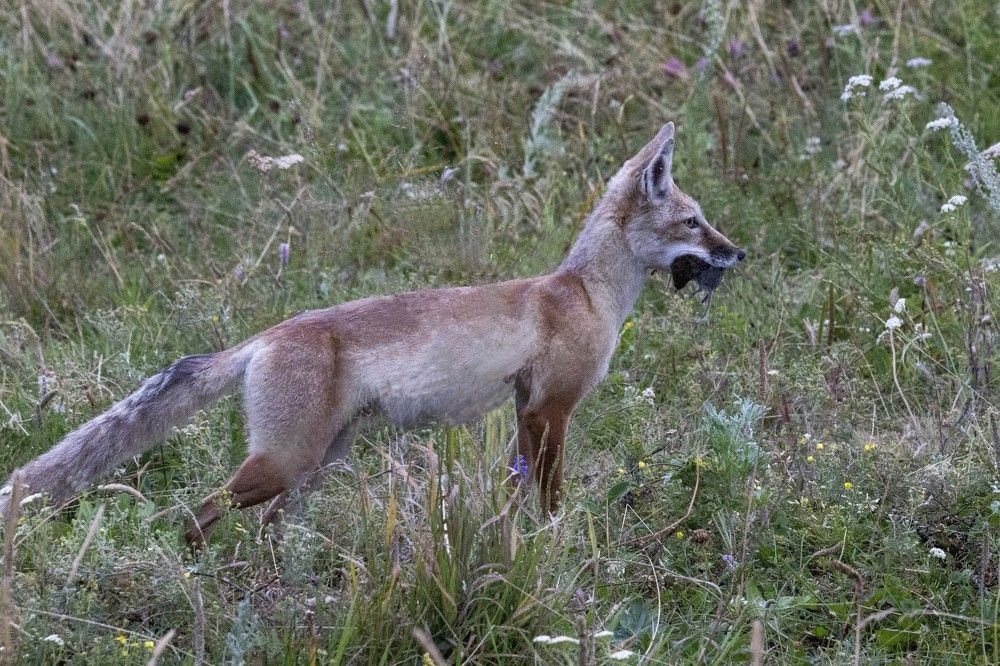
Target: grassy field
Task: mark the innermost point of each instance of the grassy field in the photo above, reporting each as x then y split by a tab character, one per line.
812	475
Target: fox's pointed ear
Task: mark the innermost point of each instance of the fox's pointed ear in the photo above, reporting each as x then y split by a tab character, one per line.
656	180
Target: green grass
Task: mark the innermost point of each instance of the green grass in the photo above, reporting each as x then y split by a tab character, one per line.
824	457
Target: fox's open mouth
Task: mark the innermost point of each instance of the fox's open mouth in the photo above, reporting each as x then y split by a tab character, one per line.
688	267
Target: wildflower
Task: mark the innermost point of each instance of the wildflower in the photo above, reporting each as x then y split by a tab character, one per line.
844	30
628	326
621	655
938	553
899	93
890	83
54	638
186	575
793	48
892	323
914	63
940	123
804	501
810	459
121	639
642	464
855	82
545	639
426	660
900	306
263	163
621	471
448	174
556	640
284	252
867	18
701	64
729	560
848	485
820	446
648	394
520	466
679	534
675	68
239	274
735	47
604	634
149	645
869	447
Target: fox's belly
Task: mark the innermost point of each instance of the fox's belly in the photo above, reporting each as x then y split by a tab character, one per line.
452	383
454	402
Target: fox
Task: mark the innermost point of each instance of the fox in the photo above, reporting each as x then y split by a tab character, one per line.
449	354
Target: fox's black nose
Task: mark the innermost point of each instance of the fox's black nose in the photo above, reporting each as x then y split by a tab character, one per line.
740	254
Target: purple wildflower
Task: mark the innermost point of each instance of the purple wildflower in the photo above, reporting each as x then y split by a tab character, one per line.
793	48
866	18
284	252
520	467
735	47
674	67
238	273
701	65
730	561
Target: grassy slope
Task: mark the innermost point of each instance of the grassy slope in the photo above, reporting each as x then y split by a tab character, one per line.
836	460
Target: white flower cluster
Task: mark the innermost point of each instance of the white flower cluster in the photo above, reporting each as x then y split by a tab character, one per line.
892	323
914	63
855	82
555	640
952	204
938	553
263	163
940	124
895	88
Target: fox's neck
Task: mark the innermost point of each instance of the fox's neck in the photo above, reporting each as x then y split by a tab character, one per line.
612	274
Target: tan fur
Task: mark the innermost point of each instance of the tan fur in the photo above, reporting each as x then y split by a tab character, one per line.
448	354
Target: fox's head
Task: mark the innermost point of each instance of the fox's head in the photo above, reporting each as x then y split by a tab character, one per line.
664	227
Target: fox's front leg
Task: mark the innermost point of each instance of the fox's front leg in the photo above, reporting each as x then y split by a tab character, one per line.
541	436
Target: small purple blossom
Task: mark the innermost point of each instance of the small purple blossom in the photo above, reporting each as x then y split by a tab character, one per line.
284	252
729	561
238	273
701	64
794	50
866	18
674	67
520	467
735	47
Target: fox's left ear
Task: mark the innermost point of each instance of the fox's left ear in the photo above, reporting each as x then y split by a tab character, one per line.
656	181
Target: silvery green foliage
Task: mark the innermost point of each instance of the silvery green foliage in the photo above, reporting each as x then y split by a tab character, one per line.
244	634
980	167
544	140
715	23
733	434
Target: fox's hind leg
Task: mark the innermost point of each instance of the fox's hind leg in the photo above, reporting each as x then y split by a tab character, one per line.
335	453
292	415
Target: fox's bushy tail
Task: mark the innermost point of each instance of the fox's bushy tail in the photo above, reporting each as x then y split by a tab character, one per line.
134	425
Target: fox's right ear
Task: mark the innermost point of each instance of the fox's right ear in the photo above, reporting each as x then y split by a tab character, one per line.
655	180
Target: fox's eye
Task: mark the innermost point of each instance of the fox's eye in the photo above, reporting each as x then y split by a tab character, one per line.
691	222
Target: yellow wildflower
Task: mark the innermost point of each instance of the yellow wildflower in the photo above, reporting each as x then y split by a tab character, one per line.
642	464
810	459
848	485
121	639
627	325
819	446
870	446
149	645
679	534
